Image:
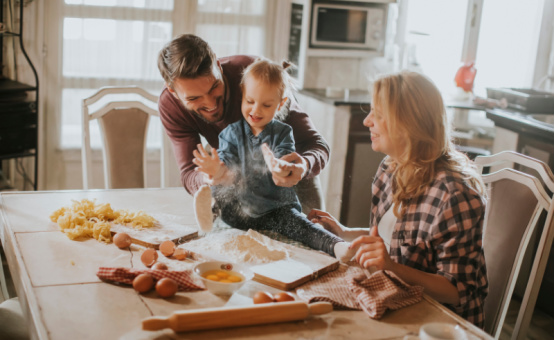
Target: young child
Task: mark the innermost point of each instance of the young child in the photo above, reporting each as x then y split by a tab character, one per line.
241	169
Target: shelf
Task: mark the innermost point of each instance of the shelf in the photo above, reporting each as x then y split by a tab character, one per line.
10	86
18	103
19	155
9	34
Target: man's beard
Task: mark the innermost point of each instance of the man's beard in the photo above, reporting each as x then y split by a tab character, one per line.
220	118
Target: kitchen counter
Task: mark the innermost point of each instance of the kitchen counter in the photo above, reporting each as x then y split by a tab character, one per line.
521	123
517	121
354	97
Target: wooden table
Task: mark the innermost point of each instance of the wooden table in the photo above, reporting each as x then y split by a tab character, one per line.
62	298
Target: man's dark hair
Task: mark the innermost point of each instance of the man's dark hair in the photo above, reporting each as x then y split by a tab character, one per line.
186	56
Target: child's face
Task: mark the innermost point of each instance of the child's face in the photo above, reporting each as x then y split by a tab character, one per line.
260	103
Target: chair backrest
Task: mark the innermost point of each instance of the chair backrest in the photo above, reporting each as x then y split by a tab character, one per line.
123	126
516	202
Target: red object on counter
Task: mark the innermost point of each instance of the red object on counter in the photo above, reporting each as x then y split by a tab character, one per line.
465	77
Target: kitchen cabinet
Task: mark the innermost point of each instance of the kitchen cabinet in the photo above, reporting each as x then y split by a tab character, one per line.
347	179
18	105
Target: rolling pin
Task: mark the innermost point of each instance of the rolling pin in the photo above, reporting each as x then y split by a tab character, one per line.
209	318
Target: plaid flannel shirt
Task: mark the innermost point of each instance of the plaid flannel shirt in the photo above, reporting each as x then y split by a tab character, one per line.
441	233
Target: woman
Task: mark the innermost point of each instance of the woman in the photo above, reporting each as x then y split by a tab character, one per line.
427	199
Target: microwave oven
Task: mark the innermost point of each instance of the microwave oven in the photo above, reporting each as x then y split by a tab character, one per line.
348	25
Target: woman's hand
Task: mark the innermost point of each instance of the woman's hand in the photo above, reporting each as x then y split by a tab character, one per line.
372	251
210	164
327	221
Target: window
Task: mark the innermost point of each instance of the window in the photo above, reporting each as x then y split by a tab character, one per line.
506	46
109	42
116	43
233	26
434	42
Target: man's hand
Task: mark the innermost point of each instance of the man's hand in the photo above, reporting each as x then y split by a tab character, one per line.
296	168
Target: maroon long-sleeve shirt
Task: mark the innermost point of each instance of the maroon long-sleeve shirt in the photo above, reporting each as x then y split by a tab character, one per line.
184	128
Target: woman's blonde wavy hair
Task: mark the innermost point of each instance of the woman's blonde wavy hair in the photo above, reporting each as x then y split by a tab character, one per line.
415	117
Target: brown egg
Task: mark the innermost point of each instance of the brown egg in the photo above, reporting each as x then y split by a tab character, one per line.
283	297
143	283
160	266
122	240
262	297
180	254
149	257
166	287
167	248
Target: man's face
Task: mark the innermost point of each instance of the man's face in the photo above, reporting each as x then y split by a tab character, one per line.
204	96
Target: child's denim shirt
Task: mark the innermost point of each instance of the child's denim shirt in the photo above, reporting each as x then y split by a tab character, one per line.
241	152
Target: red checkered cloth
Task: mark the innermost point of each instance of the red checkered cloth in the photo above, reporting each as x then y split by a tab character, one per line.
349	288
184	279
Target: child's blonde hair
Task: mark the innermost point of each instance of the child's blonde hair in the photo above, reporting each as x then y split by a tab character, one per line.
271	73
274	74
414	112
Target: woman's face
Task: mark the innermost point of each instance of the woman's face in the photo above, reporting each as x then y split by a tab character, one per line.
381	140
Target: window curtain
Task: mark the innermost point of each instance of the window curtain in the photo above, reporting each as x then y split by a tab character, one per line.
95	43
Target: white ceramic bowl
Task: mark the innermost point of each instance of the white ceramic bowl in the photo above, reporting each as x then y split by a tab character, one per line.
220	288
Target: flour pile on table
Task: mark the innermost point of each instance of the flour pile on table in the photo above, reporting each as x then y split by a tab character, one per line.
237	246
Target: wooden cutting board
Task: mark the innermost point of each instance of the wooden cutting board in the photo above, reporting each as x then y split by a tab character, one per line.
169	227
301	265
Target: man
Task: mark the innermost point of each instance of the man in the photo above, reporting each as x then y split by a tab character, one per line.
202	96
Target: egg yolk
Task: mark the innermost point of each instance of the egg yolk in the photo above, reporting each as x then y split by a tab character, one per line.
234	278
222	276
213	277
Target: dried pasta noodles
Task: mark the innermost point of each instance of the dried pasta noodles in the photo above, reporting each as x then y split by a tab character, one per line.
86	219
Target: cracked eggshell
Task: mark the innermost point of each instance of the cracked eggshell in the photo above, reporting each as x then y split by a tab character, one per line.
180	254
160	266
149	257
167	248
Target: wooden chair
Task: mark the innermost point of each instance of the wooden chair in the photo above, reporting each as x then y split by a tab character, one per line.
124	127
517	203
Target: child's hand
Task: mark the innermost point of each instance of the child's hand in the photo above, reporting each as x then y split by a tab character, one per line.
209	164
278	167
297	167
327	221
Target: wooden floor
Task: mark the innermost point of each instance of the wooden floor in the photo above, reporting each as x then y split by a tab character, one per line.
541	327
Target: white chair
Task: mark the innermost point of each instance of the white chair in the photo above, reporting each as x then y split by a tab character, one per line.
123	126
517	202
14	325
